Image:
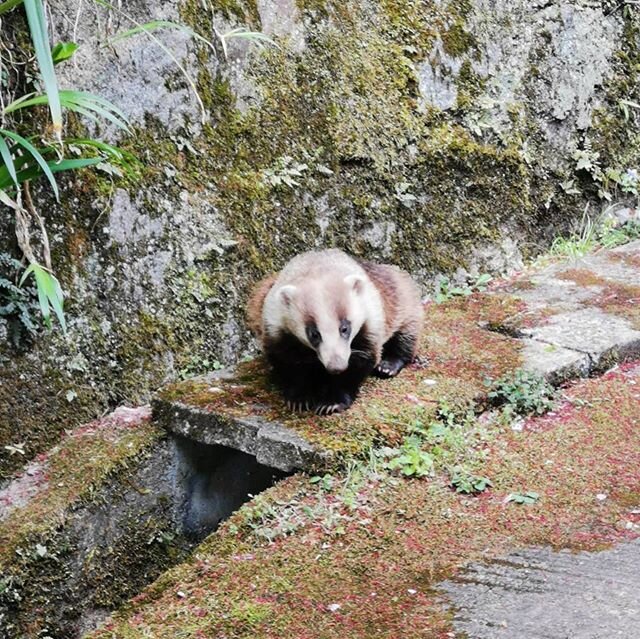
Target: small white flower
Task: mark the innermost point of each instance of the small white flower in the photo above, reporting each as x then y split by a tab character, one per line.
334	607
411	591
601	496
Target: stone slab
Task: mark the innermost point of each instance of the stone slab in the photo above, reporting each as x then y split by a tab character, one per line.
555	363
272	444
541	594
605	338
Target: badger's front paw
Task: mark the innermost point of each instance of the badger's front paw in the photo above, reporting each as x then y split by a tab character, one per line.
389	368
331	409
333	405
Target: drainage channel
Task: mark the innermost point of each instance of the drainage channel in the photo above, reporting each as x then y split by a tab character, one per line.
136	525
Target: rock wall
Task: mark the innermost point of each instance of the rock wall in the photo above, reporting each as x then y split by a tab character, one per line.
441	136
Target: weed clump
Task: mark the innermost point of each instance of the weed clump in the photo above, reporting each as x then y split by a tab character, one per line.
522	392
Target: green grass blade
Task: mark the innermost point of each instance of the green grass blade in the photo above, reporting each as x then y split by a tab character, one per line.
24	143
88	99
79	102
40	38
55	166
8	160
83	103
31	99
153	25
8	5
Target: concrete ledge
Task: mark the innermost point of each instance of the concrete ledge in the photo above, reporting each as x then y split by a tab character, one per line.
272	444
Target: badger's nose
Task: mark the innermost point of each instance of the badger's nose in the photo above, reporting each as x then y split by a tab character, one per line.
336	366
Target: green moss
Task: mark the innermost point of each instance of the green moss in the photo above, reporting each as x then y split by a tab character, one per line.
376	545
82	461
458	41
613	135
243	11
470	86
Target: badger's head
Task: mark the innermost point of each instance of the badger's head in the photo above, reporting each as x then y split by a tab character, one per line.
326	315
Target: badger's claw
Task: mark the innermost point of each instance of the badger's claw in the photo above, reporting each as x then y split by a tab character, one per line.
331	409
297	406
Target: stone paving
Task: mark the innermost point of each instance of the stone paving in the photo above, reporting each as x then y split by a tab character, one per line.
541	594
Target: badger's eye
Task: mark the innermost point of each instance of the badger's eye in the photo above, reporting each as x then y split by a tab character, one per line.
313	335
345	329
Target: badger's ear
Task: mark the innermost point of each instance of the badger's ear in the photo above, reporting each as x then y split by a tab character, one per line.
355	282
286	294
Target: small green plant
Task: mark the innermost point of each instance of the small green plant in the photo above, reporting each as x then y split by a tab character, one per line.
602	232
447	291
325	482
527	498
410	459
609	180
18	305
285	172
199	366
468	483
523	392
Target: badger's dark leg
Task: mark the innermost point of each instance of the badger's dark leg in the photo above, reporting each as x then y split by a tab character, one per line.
296	371
396	354
340	391
306	384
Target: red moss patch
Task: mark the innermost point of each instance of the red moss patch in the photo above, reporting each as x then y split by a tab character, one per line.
612	297
629	259
363	561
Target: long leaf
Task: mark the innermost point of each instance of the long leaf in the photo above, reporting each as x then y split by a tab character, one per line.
40	38
33	172
78	101
57	167
8	160
50	295
82	97
23	142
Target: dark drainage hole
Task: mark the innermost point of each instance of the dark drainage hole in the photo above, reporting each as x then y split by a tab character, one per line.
509	330
212	482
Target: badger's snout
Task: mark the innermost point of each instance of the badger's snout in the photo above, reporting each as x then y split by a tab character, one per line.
335	364
335	368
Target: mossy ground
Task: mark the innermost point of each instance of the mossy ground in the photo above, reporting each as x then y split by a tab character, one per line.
56	562
456	356
360	557
71	472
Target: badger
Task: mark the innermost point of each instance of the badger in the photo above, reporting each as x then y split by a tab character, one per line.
327	321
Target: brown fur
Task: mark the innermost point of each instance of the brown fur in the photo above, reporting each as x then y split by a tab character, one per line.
256	302
400	298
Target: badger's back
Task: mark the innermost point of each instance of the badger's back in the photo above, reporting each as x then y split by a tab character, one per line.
401	299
